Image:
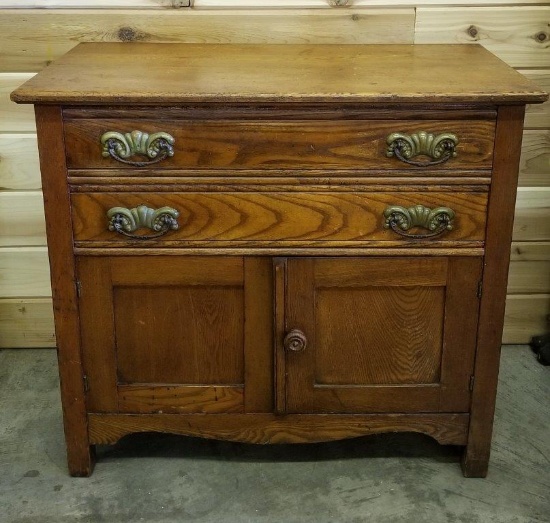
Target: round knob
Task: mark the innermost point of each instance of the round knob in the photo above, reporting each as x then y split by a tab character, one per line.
295	341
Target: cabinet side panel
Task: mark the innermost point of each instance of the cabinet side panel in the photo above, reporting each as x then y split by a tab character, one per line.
60	244
500	220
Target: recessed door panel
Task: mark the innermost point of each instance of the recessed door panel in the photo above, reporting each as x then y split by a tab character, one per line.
175	334
380	334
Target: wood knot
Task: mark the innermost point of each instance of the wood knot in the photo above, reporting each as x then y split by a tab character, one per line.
355	17
541	36
472	31
127	34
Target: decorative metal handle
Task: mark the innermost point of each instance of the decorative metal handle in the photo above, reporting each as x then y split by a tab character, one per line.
126	221
439	148
156	147
295	341
436	221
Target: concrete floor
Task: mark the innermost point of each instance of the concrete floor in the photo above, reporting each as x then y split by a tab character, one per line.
165	478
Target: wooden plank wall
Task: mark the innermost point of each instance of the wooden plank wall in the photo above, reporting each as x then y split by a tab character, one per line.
34	32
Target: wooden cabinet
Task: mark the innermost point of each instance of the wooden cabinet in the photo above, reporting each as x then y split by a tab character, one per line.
257	244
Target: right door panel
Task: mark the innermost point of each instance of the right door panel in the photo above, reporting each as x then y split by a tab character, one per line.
381	334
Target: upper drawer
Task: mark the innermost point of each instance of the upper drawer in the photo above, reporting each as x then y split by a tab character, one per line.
235	145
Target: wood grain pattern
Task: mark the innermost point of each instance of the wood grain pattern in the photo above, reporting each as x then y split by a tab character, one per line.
178	399
15	118
530	251
537	116
475	460
230	73
26	323
258	334
80	455
97	333
282	218
273	145
86	4
19	169
381	354
179	334
534	167
526	315
22	219
531	218
404	272
385	373
213	180
279	331
508	32
24	271
529	276
228	4
447	429
281	111
57	31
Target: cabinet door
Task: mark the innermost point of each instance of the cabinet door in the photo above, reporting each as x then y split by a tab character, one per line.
177	334
379	335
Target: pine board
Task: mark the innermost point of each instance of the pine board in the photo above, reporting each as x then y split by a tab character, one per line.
13	117
19	166
537	116
508	32
87	4
526	315
22	219
530	251
529	277
54	32
26	323
232	4
532	214
534	167
24	271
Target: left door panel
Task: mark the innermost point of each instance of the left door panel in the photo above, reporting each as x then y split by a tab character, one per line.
176	334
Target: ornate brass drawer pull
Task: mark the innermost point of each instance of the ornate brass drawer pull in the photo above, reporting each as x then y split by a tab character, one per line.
126	221
295	341
439	148
436	221
156	147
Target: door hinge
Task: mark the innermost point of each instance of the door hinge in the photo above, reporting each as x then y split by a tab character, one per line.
78	288
471	384
86	384
480	289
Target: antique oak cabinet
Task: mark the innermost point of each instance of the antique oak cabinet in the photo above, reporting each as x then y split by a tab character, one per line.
279	244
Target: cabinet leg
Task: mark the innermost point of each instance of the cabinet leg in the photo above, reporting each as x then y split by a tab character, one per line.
475	466
81	460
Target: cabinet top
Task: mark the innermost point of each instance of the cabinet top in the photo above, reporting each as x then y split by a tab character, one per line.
148	74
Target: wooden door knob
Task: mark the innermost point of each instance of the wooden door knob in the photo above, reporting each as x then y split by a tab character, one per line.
295	341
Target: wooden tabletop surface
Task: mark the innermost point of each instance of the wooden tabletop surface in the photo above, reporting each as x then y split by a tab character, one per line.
142	73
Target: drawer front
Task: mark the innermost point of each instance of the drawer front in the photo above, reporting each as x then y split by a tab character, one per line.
278	219
272	146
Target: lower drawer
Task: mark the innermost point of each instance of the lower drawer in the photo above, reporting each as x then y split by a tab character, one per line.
293	219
